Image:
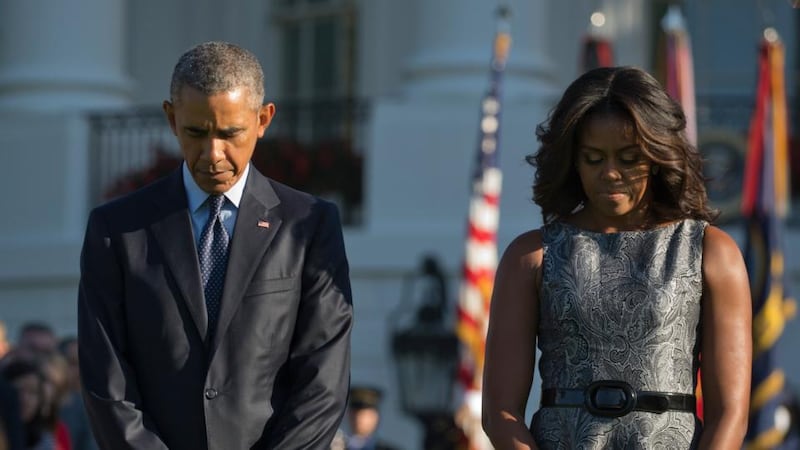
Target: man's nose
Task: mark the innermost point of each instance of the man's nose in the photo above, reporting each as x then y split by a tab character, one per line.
214	149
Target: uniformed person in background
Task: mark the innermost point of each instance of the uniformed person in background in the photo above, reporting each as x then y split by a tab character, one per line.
364	416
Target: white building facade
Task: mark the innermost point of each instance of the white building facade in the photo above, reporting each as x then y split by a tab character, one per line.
420	67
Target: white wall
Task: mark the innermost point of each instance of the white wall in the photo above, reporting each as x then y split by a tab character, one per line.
422	140
42	227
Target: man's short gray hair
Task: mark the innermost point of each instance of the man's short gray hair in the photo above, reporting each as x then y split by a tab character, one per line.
214	67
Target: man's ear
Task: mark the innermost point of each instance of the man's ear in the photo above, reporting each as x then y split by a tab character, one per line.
265	115
169	110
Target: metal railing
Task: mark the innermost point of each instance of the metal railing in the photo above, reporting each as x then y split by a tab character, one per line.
315	146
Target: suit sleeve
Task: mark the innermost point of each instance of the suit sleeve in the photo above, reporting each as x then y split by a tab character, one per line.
110	391
317	374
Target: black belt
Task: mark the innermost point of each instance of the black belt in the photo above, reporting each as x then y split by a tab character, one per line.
617	398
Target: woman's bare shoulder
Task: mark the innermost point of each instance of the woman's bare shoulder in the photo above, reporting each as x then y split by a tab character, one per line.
525	250
718	245
722	257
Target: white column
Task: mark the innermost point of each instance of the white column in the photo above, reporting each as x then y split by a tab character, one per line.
422	144
58	60
454	42
60	55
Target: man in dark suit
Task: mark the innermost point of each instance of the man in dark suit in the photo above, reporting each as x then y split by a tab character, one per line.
214	306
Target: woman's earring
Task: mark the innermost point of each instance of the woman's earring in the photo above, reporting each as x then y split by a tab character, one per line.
654	169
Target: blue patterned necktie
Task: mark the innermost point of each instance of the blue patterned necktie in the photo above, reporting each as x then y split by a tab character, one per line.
213	259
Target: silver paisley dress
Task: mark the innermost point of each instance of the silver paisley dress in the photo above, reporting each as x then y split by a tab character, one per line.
620	306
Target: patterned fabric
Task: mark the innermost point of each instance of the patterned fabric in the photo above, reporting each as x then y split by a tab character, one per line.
213	254
620	306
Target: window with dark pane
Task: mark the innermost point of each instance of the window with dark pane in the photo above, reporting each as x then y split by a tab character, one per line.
314	141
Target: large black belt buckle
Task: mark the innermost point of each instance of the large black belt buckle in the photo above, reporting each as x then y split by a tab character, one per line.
610	398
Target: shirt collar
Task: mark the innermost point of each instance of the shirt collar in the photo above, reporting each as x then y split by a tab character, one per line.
197	196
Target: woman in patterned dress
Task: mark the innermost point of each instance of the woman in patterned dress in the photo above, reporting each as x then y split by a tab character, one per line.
621	289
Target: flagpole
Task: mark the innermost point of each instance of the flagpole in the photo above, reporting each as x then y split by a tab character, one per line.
480	259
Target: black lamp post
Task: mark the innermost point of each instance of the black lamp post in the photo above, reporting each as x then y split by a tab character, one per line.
426	354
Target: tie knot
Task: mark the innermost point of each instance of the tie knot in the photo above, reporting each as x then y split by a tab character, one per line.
215	203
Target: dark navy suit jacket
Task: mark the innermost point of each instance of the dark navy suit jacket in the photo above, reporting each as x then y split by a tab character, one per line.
275	375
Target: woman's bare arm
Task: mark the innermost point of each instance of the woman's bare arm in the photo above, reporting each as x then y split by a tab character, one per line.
727	342
511	344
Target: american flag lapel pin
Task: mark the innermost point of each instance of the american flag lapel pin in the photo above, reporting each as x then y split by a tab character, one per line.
263	224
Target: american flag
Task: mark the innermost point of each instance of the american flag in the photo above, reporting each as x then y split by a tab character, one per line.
765	199
480	260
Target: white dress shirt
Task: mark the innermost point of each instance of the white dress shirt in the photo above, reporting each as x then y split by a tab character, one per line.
199	208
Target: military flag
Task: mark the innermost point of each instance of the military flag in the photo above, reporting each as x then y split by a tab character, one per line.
765	200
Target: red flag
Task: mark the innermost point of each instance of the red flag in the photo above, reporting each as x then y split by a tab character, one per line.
677	73
596	50
679	66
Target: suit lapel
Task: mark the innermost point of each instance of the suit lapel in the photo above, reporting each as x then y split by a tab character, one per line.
174	234
257	222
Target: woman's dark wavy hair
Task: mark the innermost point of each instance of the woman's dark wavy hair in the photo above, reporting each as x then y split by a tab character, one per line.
659	125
